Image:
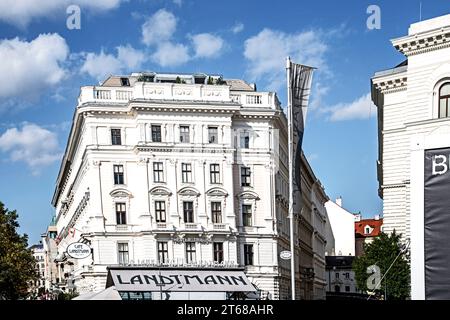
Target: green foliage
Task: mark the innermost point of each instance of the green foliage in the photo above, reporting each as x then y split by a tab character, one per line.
144	78
17	264
67	295
382	252
210	80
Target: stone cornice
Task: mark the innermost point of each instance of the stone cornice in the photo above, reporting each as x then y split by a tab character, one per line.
423	42
391	84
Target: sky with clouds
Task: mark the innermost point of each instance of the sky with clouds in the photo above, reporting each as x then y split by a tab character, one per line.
44	63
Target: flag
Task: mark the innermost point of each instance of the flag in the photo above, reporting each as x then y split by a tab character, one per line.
300	79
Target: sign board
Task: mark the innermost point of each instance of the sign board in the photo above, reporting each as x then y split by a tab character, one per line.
437	224
181	280
78	250
285	255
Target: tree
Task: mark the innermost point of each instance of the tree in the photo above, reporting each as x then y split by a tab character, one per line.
17	264
382	252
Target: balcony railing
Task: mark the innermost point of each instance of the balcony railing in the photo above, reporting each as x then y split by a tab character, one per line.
191	226
170	91
220	226
161	225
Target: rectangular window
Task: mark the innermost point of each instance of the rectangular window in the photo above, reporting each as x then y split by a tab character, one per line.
156	133
188	211
121	213
347	288
218	251
212	135
184	134
247	215
190	252
248	254
216	212
245	176
160	211
125	82
118	174
116	138
122	249
186	172
245	140
214	173
337	275
158	173
163	252
347	275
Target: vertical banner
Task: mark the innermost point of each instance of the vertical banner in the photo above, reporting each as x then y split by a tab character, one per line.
301	78
437	224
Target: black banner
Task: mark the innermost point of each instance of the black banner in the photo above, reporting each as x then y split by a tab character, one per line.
437	224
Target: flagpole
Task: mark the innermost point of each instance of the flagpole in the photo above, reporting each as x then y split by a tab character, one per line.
291	175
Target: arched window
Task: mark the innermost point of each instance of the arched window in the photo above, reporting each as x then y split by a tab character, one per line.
444	100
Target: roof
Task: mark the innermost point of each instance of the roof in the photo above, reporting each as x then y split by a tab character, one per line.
239	85
344	262
375	224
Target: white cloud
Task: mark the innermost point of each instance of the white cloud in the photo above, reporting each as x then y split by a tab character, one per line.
169	54
30	67
238	27
34	145
21	12
159	28
101	65
361	108
178	2
206	45
267	52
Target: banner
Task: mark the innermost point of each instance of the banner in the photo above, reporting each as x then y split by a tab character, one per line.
437	224
300	86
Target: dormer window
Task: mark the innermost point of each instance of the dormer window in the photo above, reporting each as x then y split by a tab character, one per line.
444	100
367	230
125	82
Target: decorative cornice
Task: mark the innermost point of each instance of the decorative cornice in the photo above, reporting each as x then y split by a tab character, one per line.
422	43
392	85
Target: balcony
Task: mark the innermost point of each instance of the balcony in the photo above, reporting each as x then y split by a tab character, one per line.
171	91
191	226
220	226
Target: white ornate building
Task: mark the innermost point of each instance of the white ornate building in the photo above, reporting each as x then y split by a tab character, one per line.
180	168
413	116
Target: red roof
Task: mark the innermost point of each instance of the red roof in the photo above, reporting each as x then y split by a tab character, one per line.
374	227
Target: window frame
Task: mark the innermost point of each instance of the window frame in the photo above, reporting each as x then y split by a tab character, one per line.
186	175
214	175
447	101
218	254
159	171
244	140
114	137
185	134
160	211
163	251
216	212
190	252
246	177
121	216
216	136
156	133
119	174
188	212
121	253
247	216
248	254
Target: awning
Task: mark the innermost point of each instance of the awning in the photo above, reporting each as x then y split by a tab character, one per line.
107	294
187	280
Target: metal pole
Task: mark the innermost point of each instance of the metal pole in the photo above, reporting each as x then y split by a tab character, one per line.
291	176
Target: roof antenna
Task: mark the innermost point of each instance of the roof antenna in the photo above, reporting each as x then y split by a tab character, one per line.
420	10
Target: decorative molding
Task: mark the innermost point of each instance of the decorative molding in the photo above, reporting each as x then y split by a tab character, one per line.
120	193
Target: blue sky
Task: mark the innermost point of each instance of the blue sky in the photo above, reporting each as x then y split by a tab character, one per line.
43	64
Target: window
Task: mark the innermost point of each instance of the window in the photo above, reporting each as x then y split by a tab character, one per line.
337	288
247	215
212	135
347	288
121	214
190	252
214	172
184	134
160	211
245	140
248	254
125	82
188	211
123	253
444	100
158	173
347	275
116	138
118	174
186	172
245	176
367	230
156	133
163	252
218	252
337	275
216	212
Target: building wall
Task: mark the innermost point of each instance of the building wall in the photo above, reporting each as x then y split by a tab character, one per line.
343	228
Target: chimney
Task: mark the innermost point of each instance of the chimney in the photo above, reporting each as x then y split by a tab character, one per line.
339	201
377	217
253	85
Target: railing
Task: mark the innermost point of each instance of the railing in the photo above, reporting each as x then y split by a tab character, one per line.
219	226
161	225
170	91
191	226
121	227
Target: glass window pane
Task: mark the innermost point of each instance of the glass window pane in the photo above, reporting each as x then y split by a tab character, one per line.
445	90
442	108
